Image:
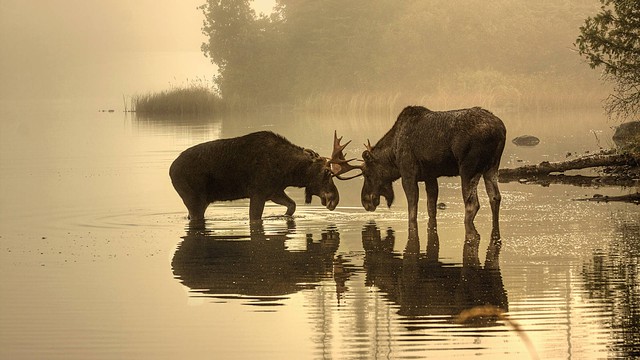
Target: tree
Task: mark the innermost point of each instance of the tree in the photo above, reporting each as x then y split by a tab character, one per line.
227	25
333	44
247	49
611	40
308	49
230	27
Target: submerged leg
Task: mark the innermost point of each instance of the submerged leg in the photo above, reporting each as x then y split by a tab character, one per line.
471	205
410	187
282	199
433	241
256	207
196	209
491	183
196	204
432	198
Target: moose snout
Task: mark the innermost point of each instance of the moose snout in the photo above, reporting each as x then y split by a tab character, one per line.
370	202
330	200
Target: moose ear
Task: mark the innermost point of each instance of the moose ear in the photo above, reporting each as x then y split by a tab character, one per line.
367	156
312	153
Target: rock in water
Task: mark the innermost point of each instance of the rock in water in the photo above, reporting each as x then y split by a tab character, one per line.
526	140
627	135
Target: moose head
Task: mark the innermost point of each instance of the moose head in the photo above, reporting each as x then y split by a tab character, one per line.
320	181
378	178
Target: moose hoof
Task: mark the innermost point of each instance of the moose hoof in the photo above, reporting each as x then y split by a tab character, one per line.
472	239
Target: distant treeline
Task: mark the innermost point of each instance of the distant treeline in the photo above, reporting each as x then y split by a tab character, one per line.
519	51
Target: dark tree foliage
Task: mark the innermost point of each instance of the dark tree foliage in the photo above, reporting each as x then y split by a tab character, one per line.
228	24
333	45
317	47
244	47
611	40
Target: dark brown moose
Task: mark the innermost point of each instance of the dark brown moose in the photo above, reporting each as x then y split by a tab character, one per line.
423	145
258	166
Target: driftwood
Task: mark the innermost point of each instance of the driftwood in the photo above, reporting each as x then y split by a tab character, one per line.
616	170
575	180
546	168
632	198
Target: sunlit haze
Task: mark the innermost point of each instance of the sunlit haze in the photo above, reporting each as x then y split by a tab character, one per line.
142	217
79	49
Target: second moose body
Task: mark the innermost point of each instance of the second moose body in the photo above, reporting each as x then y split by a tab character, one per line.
258	166
423	145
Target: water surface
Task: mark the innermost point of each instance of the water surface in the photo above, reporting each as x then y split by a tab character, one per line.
97	259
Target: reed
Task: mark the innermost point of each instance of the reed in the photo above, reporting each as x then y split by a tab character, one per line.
486	89
193	99
489	89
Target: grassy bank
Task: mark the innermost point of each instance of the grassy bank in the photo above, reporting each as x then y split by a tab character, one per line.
183	100
486	89
491	90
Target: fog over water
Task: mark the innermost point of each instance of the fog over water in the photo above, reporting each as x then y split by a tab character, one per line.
99	261
103	50
99	49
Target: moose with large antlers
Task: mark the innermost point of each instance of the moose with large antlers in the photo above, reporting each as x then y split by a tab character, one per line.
423	145
258	166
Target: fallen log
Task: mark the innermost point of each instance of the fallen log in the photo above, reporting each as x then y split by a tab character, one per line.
575	180
632	198
546	167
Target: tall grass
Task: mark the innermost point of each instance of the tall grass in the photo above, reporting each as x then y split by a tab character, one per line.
490	90
195	98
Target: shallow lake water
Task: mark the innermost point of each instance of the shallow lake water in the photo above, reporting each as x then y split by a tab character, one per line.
97	259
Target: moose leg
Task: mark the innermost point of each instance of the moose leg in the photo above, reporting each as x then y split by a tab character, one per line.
471	205
195	203
196	209
491	183
256	207
410	187
432	199
433	241
281	198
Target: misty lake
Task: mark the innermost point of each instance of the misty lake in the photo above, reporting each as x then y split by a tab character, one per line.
97	259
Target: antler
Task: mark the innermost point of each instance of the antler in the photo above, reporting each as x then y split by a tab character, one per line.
339	165
368	145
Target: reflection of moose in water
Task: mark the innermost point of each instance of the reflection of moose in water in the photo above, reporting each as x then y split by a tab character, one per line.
422	285
259	265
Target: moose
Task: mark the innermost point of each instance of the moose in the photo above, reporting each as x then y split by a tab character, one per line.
258	166
423	145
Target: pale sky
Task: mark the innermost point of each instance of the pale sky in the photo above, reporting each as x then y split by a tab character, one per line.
91	48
